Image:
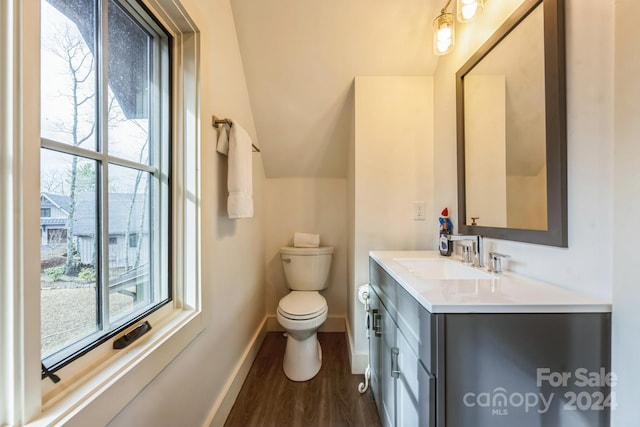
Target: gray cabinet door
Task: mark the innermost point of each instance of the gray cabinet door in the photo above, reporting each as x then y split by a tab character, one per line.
415	389
375	349
387	380
426	398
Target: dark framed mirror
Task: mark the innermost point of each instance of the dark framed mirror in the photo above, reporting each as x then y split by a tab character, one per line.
511	128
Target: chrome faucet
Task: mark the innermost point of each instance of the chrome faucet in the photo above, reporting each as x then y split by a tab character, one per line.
495	261
477	245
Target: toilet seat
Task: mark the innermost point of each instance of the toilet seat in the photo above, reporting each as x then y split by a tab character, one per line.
302	305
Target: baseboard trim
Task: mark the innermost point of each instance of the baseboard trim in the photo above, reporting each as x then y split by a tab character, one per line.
332	324
359	361
223	405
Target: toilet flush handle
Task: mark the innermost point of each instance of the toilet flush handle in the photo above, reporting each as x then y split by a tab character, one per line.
287	260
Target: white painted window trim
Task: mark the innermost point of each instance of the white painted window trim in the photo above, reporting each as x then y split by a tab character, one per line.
95	395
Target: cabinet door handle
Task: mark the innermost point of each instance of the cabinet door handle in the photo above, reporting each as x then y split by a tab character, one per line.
395	369
376	323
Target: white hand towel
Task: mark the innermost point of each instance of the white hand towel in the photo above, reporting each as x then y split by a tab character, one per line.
306	240
223	140
239	174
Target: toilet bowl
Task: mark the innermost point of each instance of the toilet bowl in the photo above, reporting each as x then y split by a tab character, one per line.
303	310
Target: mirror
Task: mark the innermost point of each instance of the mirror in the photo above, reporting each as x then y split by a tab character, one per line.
511	125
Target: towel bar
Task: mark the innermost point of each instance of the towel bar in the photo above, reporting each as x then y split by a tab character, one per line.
216	122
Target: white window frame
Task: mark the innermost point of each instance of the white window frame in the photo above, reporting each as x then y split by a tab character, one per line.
157	172
94	393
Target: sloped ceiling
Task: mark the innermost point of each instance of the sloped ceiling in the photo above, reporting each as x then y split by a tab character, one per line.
300	58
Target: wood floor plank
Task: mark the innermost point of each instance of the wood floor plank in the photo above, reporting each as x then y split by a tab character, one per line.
331	399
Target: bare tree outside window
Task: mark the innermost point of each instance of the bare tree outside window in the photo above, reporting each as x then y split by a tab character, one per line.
100	191
69	46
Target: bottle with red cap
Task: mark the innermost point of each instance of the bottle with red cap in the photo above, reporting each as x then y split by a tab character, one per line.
446	228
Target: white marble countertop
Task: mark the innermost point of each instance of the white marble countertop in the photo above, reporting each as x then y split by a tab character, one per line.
497	293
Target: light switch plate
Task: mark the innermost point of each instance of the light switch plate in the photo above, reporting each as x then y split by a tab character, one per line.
419	211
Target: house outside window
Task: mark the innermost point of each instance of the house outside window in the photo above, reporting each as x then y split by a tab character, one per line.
105	164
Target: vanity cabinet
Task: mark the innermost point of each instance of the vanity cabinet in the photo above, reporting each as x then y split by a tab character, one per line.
485	369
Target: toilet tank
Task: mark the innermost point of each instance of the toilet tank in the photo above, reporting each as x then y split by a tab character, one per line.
306	269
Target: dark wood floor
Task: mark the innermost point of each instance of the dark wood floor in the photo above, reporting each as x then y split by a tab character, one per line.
330	399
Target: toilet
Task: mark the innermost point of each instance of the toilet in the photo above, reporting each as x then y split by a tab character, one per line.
303	310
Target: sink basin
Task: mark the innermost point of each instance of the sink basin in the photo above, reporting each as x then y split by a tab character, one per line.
441	269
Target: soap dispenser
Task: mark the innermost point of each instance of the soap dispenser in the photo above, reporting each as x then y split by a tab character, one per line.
446	229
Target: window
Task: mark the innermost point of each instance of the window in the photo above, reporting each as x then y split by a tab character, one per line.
56	236
45	212
99	385
105	159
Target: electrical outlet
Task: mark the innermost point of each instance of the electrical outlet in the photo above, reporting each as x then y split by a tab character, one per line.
419	211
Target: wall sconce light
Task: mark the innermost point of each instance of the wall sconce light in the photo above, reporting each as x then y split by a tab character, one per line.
444	24
444	32
468	9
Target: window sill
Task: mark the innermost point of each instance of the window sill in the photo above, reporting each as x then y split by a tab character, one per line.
112	384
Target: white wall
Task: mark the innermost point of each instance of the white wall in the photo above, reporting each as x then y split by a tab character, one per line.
308	205
391	166
626	292
233	290
587	263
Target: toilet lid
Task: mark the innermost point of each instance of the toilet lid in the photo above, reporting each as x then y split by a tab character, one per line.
302	304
